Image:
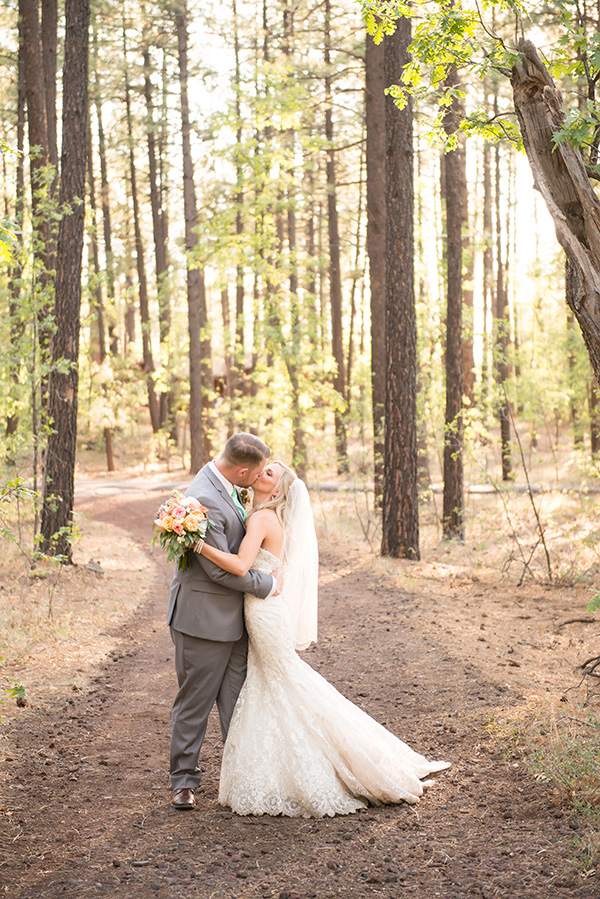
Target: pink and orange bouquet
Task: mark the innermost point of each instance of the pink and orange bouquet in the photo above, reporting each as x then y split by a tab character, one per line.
180	523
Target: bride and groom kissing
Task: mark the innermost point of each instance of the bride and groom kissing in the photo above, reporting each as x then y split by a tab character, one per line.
238	614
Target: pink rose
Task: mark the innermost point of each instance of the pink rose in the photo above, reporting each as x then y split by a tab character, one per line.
179	528
178	512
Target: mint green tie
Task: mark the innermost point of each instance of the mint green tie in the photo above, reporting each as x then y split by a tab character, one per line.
238	505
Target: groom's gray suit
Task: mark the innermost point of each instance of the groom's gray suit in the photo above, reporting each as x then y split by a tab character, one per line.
206	616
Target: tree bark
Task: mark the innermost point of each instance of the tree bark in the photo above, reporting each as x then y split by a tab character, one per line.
488	271
113	340
335	276
140	264
35	88
17	324
501	332
375	103
468	264
63	379
453	502
99	343
400	494
49	30
200	360
238	378
158	229
38	160
560	175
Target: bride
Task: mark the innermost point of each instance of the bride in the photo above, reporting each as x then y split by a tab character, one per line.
296	746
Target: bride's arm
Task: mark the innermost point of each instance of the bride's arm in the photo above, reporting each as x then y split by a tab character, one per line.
240	562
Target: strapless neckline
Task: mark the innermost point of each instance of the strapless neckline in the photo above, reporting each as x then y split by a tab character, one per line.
270	555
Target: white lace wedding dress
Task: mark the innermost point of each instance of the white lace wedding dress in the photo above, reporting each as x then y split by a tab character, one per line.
296	746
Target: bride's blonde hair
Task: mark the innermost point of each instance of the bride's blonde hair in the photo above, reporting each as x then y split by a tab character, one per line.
278	503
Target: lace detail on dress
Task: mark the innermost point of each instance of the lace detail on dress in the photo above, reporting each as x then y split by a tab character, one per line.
296	746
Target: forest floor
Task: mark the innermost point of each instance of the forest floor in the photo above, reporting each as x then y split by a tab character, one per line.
447	659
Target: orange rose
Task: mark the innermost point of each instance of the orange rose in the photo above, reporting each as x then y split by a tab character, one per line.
191	522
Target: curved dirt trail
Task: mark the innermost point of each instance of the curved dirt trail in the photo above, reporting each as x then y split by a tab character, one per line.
87	805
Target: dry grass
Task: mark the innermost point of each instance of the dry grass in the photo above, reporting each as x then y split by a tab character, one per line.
55	626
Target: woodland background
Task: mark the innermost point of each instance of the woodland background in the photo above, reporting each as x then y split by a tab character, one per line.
235	190
215	219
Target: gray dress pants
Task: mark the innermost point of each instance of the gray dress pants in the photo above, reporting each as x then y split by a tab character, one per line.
207	672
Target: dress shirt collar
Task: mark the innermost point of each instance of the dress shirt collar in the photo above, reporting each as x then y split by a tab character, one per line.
227	484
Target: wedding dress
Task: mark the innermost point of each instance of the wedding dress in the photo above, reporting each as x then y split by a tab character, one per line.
296	746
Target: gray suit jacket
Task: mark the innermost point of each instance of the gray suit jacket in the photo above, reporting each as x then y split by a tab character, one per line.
206	601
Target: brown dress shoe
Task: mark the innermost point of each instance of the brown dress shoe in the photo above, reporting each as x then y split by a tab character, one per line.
184	799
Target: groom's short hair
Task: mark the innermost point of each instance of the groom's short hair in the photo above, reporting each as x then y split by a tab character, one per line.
245	450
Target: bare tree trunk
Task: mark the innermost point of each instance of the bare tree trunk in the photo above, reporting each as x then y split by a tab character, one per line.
453	504
63	384
17	324
488	271
38	160
375	105
501	332
200	358
158	223
113	341
574	387
400	494
468	262
49	28
561	177
35	89
335	277
141	266
94	263
238	377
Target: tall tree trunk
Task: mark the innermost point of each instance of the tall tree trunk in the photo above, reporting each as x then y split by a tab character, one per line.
335	275
49	29
488	271
63	380
200	359
238	377
468	258
94	258
38	160
560	175
400	496
501	331
158	223
453	503
355	277
17	324
573	380
113	340
375	105
141	267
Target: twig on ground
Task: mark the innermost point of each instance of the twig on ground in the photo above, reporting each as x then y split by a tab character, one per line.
529	490
577	621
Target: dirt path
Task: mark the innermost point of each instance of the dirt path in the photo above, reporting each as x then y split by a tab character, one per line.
86	811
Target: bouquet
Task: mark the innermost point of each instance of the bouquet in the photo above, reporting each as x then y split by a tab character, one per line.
180	523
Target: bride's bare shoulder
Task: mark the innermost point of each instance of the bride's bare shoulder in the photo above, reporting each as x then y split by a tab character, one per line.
266	518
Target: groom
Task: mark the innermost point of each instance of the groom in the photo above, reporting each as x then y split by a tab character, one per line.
206	613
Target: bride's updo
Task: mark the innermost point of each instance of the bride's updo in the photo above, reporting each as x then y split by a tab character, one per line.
278	502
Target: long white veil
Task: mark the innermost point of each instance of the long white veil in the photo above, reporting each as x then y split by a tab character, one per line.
300	565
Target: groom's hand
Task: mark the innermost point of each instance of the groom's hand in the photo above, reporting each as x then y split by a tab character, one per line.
278	582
